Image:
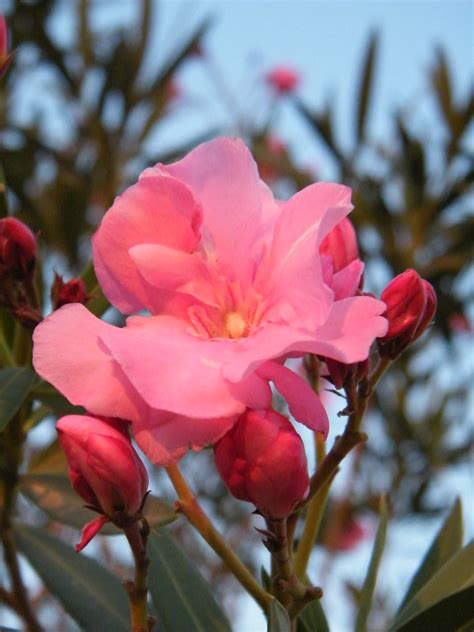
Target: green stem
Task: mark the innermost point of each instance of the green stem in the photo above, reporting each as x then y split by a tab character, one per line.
351	436
190	507
138	590
13	441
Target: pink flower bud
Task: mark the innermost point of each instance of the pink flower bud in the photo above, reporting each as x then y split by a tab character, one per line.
74	291
341	245
283	79
104	468
5	57
411	305
340	373
262	460
17	248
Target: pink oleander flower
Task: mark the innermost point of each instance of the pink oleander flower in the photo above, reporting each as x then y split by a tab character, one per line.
283	79
262	460
233	282
104	470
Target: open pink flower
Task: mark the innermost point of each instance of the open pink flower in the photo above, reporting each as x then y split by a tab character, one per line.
232	279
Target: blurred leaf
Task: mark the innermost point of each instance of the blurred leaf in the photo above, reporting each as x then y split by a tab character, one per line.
54	494
312	618
3	194
15	386
158	513
453	613
368	588
88	592
365	90
98	304
322	125
446	544
278	621
183	600
441	83
48	395
49	460
455	576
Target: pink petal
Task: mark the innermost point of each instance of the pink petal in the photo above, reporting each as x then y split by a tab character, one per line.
303	403
223	176
167	439
174	270
157	210
194	387
298	295
345	282
68	353
90	530
351	327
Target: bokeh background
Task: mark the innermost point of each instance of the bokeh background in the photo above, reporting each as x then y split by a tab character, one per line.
99	90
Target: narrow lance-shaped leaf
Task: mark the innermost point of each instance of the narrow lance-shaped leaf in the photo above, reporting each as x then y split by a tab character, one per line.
93	597
368	588
456	612
53	493
312	618
446	544
366	84
455	576
15	386
183	600
278	620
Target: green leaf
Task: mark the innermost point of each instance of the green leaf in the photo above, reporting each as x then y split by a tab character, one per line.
88	592
365	90
368	587
455	576
446	544
278	621
312	618
53	493
182	598
456	612
50	397
15	386
49	460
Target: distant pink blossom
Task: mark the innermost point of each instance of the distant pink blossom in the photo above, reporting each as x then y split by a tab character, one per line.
284	79
234	284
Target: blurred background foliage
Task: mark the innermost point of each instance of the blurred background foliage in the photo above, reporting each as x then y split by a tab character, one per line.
87	137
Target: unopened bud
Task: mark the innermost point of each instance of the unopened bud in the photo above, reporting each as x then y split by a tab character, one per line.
17	248
74	291
262	460
411	305
283	79
104	469
5	57
341	374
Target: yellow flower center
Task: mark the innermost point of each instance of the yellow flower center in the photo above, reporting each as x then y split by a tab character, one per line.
235	325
